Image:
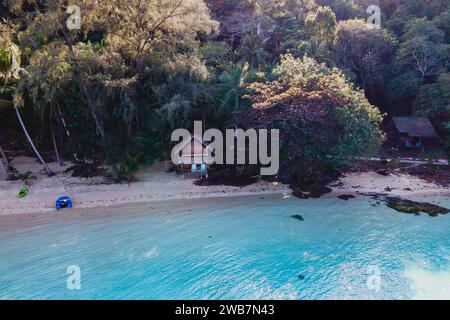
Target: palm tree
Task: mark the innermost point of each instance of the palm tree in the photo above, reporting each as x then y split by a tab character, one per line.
9	74
231	86
315	49
252	50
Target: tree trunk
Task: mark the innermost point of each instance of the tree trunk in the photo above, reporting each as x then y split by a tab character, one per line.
5	158
55	145
4	166
63	122
47	168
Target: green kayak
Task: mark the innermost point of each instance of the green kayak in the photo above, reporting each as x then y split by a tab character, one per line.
22	193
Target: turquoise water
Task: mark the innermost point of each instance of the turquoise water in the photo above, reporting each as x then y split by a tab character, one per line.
229	248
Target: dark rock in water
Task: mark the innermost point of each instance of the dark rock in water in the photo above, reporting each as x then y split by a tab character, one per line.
346	197
314	192
300	194
373	195
383	172
411	207
298	217
301	277
313	187
318	192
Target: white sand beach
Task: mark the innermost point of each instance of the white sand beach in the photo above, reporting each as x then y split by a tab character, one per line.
156	184
153	184
395	184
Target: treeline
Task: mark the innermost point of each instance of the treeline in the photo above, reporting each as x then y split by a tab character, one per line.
402	67
114	90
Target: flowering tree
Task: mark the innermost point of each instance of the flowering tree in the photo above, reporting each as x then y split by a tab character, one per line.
322	119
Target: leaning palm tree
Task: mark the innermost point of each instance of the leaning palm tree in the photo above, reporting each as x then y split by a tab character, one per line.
10	71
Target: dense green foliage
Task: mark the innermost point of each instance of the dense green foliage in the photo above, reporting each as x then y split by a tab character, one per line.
322	120
114	90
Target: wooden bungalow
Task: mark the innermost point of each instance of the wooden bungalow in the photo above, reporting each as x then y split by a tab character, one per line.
194	158
412	132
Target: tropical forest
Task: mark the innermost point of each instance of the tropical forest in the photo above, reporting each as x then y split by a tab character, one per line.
110	92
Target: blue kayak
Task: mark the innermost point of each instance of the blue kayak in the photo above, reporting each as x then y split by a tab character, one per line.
64	202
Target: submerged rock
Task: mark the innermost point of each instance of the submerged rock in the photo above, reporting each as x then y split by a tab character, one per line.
314	192
346	197
412	207
301	277
373	195
298	217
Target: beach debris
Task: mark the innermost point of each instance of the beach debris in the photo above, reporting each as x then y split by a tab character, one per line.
346	197
388	189
64	202
26	177
286	196
23	193
439	175
298	217
412	207
86	170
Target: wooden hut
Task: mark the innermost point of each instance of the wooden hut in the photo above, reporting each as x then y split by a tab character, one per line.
412	132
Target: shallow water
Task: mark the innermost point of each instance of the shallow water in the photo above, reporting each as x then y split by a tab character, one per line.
229	248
